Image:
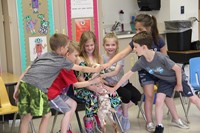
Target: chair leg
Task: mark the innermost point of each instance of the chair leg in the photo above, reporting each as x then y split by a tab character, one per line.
79	122
184	109
54	121
118	121
32	127
13	123
140	108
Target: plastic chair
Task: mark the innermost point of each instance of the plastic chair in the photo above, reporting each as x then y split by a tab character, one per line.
194	76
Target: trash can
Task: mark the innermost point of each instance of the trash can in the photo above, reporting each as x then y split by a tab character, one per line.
178	34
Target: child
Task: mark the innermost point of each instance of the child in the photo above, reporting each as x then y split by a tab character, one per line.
58	90
128	93
36	80
89	56
148	23
169	75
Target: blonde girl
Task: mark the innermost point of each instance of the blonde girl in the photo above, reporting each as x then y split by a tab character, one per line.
128	93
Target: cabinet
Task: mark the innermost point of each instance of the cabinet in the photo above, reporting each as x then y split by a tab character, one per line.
129	62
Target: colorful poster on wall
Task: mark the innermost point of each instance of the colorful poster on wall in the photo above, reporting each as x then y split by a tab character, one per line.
81	8
81	26
37	46
85	9
35	19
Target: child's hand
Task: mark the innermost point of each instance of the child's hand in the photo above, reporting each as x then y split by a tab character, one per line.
178	87
111	90
98	69
16	95
106	65
96	80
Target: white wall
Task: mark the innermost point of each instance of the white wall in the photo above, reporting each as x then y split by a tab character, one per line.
170	10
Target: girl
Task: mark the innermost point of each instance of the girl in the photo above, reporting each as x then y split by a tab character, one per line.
128	93
89	56
145	22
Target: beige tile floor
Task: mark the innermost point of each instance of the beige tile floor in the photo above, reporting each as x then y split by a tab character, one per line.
137	124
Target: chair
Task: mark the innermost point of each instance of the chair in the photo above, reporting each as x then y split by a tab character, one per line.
7	108
194	76
80	107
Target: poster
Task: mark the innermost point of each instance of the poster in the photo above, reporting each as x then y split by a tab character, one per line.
35	19
81	8
81	26
37	46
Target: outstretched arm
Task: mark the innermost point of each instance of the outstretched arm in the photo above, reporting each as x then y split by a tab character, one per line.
122	80
86	69
118	56
16	92
178	73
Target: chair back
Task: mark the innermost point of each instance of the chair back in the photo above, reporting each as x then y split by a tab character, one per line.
4	99
195	72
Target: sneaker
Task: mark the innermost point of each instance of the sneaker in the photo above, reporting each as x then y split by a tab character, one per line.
159	129
98	123
179	123
125	123
89	124
150	127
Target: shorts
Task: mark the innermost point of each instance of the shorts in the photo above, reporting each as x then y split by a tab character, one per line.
168	88
32	100
145	78
58	103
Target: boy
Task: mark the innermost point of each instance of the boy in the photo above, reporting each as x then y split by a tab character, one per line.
58	90
36	80
169	74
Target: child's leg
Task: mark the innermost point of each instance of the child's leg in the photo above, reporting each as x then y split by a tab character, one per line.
68	115
195	100
159	107
148	105
44	123
25	123
172	108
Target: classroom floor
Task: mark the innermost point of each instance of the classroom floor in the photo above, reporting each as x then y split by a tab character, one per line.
137	124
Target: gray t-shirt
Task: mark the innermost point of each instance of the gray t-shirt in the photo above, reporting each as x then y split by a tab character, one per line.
160	67
45	69
113	80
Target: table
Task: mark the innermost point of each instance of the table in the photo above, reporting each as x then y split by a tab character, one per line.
9	79
183	57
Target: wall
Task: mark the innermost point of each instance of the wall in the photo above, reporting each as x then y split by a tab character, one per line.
170	10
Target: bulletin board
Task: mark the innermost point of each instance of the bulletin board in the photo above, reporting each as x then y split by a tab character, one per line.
35	22
82	16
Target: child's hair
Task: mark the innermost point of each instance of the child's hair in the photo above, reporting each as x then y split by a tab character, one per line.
87	35
73	47
58	40
143	38
113	36
149	21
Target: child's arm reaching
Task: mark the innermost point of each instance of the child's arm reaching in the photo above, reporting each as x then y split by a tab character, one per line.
122	80
16	92
86	69
113	73
118	57
178	73
87	83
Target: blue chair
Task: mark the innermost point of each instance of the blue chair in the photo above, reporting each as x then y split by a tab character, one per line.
194	76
